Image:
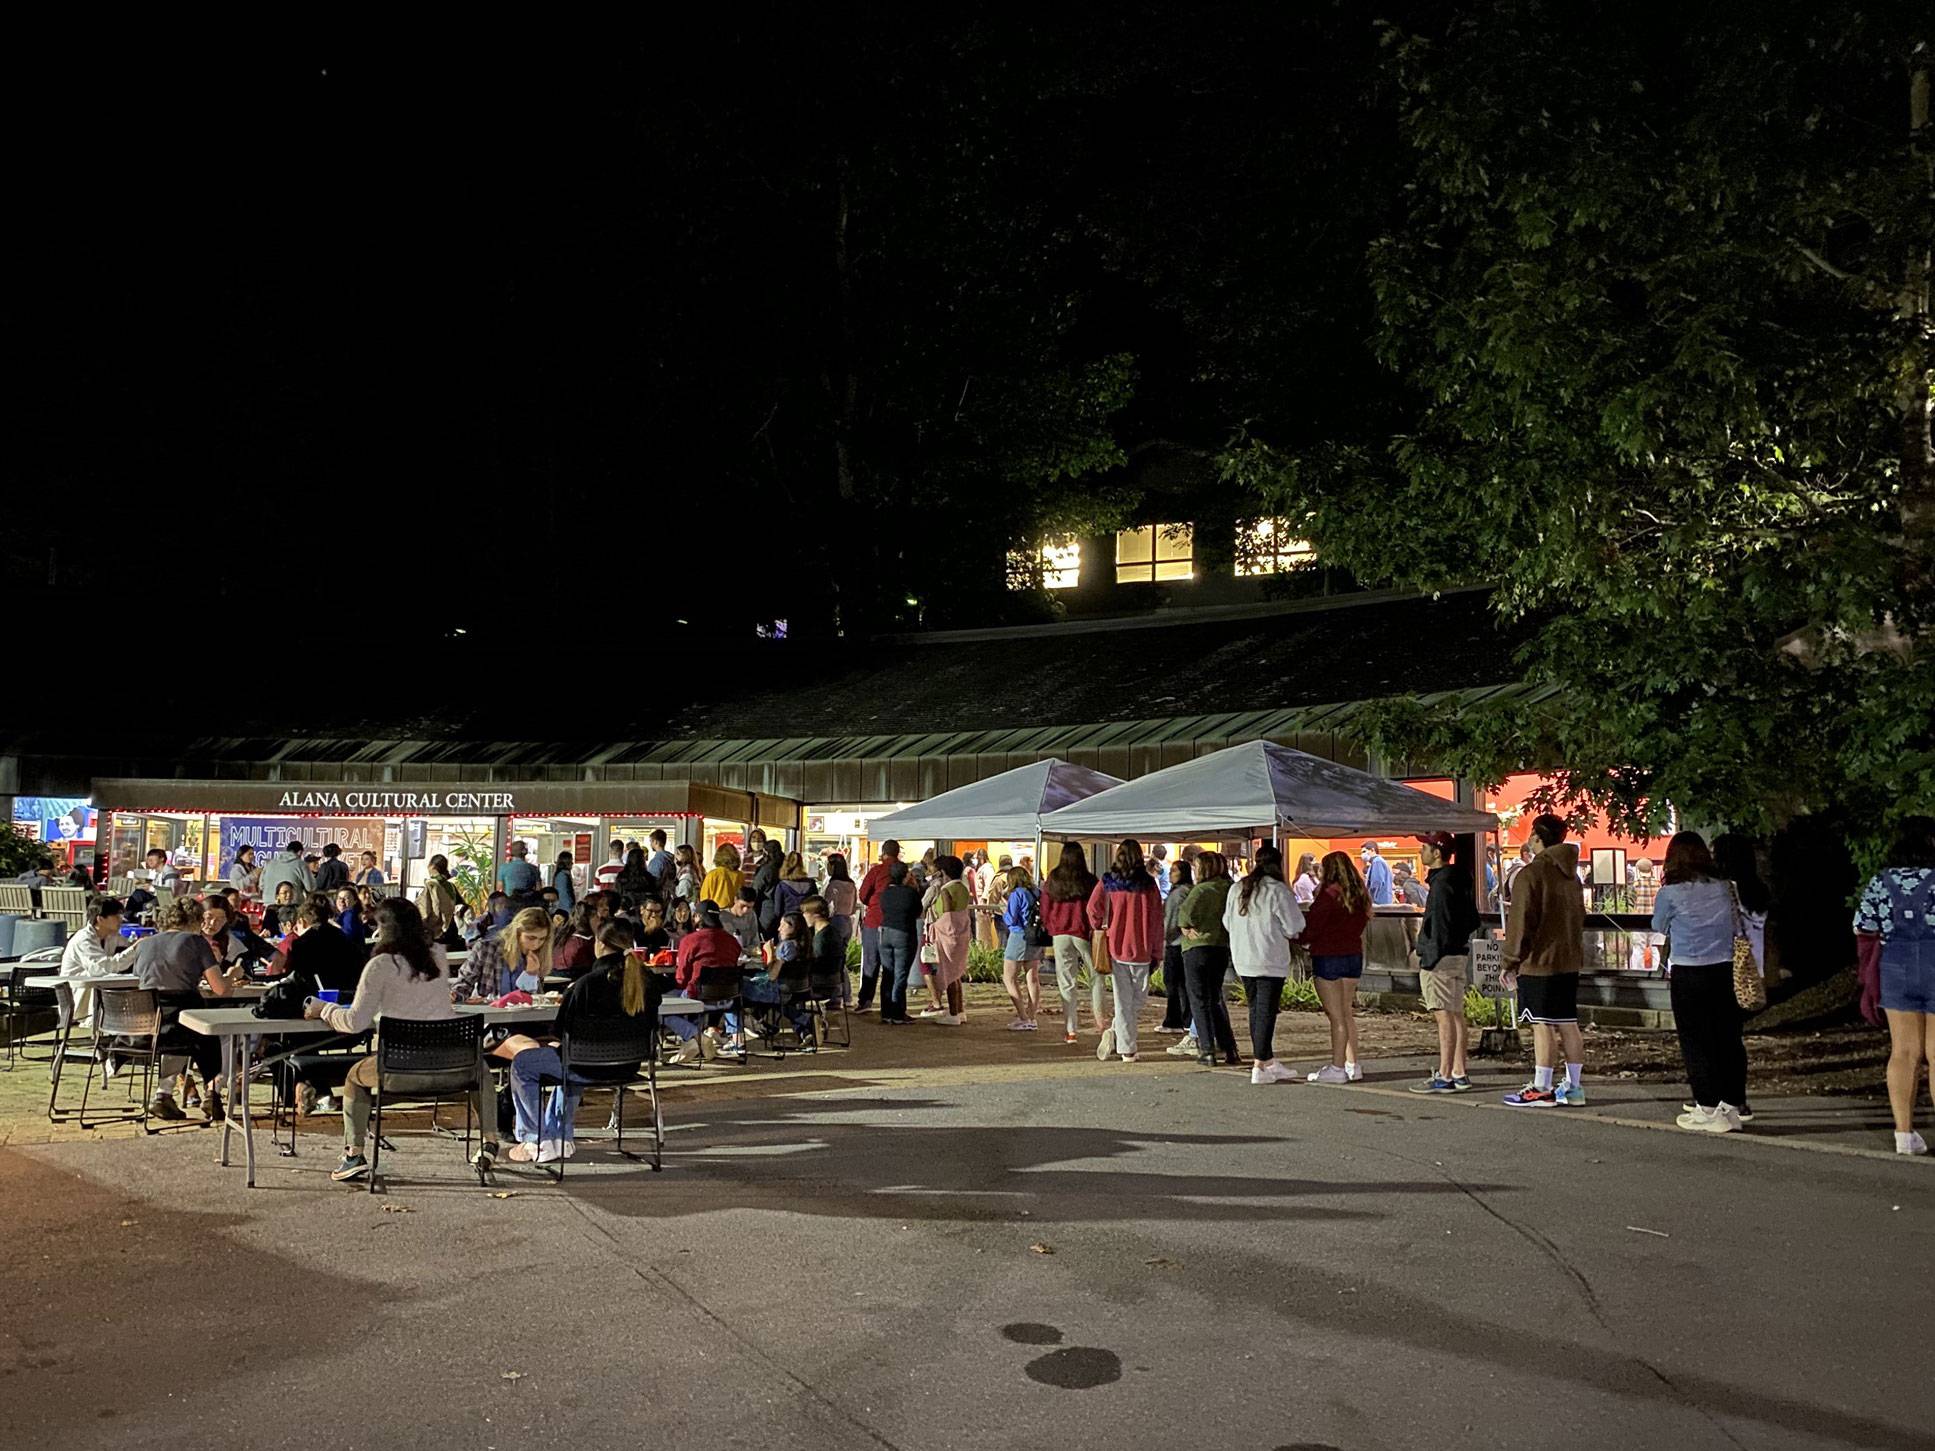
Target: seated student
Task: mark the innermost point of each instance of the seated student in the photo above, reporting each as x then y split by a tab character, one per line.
742	920
574	946
516	959
276	916
244	944
178	963
498	913
618	982
407	977
779	985
827	971
319	959
97	950
681	922
650	933
349	914
707	945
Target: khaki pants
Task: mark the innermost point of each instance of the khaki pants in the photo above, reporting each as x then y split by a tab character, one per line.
359	1089
1073	962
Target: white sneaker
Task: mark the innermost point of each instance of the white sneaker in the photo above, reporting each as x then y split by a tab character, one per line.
1018	1026
1720	1120
688	1050
931	1013
1261	1073
327	1104
1329	1073
1352	1071
947	1020
1105	1046
1910	1143
1185	1049
1027	1027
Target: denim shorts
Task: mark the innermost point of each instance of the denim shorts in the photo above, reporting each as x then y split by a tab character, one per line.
1017	948
1338	969
1908	976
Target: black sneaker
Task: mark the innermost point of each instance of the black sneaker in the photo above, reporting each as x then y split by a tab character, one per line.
354	1166
212	1106
163	1106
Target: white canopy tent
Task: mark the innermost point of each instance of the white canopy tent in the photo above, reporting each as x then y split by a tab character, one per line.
1007	807
1262	788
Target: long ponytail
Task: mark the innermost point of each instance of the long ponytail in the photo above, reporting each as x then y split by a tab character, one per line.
616	937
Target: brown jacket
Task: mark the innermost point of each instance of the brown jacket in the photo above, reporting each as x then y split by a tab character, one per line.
1545	931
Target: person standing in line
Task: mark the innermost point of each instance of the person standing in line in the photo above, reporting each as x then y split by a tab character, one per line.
1126	907
1444	958
841	898
606	877
563	884
243	874
723	883
332	873
895	939
768	867
518	878
1335	937
1407	888
1543	954
1525	855
950	927
795	884
1896	939
286	868
879	876
1377	875
437	902
659	861
1159	869
1206	959
1021	959
1175	991
1260	917
1064	916
1696	913
1304	888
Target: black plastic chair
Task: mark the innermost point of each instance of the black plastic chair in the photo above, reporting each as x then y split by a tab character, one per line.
123	1018
825	992
618	1041
440	1058
24	1004
725	987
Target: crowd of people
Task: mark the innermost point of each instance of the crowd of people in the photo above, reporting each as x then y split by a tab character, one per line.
778	933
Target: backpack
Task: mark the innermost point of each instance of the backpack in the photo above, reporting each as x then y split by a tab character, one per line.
1032	934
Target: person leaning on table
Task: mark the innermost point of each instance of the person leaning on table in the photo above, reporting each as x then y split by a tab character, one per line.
176	964
95	951
406	977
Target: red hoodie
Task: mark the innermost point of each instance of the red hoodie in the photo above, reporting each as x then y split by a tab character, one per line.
707	947
1131	916
1330	931
1064	919
871	886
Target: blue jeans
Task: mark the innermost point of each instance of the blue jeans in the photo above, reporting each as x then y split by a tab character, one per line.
896	950
762	989
557	1110
869	964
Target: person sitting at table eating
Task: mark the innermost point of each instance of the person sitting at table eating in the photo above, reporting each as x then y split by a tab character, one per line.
177	963
407	977
517	958
97	950
776	986
649	934
498	913
317	958
741	919
575	946
707	945
276	916
618	982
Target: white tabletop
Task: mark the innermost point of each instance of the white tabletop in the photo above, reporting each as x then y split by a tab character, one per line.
120	981
238	1022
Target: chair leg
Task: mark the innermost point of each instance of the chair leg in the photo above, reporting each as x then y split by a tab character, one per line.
376	1133
658	1123
86	1084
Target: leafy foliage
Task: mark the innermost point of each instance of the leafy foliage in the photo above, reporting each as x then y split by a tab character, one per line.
19	852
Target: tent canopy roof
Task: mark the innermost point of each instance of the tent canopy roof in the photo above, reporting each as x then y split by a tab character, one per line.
1258	786
1007	807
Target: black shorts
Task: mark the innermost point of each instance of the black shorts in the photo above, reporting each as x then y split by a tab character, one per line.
1552	999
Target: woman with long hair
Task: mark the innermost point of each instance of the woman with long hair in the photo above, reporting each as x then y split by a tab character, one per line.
438	902
1175	1012
768	867
574	947
841	897
950	927
406	977
1064	916
796	884
563	884
1021	959
1261	916
722	884
1338	916
1127	909
1695	913
1206	959
519	957
1304	885
1897	952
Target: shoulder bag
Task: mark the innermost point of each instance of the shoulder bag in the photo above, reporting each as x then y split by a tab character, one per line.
1749	987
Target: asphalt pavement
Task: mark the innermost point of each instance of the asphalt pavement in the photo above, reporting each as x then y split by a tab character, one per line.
1082	1256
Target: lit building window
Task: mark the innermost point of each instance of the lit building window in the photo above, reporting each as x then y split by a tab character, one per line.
1267	546
1155	551
1048	566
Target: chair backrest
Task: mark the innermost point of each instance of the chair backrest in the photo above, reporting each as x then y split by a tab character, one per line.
824	985
720	984
22	996
120	886
17	898
130	1012
604	1041
429	1045
69	904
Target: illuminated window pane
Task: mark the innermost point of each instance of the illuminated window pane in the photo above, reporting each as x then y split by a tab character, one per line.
1267	546
1155	551
1048	566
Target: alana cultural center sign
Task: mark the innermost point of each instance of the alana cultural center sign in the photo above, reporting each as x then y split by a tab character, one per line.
401	803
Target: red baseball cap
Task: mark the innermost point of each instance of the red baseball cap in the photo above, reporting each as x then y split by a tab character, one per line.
1442	840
